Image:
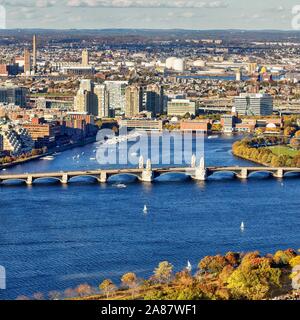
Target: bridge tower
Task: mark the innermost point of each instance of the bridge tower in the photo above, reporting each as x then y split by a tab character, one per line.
201	171
148	175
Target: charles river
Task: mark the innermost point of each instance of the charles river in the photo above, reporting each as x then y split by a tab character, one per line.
55	237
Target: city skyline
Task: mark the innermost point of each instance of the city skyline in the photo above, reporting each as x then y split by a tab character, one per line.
154	14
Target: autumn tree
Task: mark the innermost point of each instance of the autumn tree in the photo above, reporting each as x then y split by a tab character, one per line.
163	273
254	279
108	287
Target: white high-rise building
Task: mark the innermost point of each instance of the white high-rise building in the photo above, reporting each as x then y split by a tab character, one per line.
116	95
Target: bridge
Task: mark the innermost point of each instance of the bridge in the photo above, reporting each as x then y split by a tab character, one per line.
146	173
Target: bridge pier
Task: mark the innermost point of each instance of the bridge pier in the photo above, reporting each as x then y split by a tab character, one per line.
201	173
103	177
147	174
65	179
279	174
243	174
29	181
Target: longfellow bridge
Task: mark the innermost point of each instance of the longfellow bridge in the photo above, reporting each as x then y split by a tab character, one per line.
148	173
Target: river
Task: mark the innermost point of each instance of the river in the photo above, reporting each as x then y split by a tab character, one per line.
54	237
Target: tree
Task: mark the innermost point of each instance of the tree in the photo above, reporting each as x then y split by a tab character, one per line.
283	258
107	286
54	295
130	281
213	264
254	279
163	273
84	290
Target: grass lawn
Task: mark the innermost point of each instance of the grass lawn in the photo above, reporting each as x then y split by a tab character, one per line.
284	150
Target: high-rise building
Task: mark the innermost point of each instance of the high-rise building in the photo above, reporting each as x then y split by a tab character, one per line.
116	95
34	53
14	95
252	104
134	101
153	99
27	62
102	99
82	101
85	58
92	99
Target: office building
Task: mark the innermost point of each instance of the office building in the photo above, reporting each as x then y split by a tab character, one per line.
153	99
116	95
14	95
133	101
252	104
142	124
101	105
92	99
180	107
82	101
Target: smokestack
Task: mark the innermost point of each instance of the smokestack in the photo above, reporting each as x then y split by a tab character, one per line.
34	52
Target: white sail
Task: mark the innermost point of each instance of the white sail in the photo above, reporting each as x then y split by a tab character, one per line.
189	267
242	226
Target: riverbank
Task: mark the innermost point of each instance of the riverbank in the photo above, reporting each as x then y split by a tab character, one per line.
261	153
219	277
49	153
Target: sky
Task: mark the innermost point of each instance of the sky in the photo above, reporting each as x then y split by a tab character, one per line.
148	14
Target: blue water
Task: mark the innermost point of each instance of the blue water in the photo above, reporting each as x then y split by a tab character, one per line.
54	237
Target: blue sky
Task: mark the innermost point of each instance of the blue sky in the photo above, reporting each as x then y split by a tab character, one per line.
188	14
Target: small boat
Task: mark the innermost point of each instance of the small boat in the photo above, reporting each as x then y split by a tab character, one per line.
145	209
48	158
242	226
120	186
3	169
92	159
213	137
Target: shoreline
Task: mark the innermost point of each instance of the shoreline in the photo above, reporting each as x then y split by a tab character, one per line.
49	153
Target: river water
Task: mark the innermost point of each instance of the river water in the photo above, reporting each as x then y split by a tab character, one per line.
54	237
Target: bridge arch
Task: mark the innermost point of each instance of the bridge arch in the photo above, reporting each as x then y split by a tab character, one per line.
223	174
172	177
123	177
47	180
13	181
264	173
82	178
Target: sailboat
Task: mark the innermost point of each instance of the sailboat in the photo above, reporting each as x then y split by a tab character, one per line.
189	267
242	226
145	209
